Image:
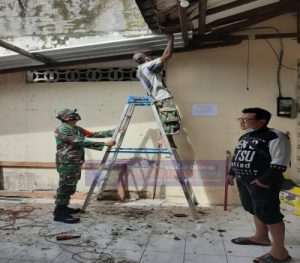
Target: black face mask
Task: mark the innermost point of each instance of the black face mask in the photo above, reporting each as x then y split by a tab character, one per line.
73	116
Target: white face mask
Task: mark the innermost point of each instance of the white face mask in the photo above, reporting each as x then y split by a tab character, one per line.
249	130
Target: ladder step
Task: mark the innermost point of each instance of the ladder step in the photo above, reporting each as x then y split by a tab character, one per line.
138	100
133	151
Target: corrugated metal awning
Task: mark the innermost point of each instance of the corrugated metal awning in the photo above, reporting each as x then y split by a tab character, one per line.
90	53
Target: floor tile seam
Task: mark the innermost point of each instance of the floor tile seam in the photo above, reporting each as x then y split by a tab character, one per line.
145	248
166	252
222	236
53	260
235	256
206	254
112	239
130	240
122	250
204	242
184	246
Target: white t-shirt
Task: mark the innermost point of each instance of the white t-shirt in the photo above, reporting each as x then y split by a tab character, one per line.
150	74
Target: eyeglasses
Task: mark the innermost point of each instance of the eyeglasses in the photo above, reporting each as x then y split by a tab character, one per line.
245	120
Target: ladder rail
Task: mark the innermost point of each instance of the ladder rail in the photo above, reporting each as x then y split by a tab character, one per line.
189	194
95	181
123	124
106	155
175	153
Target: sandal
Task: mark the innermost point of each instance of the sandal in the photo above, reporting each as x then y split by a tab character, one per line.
246	241
267	258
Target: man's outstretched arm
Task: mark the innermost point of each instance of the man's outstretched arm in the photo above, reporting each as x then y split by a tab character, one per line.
169	48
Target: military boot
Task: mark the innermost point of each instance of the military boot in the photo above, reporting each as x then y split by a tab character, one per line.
61	214
73	210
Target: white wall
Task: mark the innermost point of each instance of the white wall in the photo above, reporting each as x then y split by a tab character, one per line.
28	117
213	76
226	78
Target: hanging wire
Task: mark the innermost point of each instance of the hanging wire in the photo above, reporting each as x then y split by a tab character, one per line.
248	62
273	49
278	56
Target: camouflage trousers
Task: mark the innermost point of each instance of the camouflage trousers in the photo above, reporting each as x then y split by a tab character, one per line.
69	174
169	116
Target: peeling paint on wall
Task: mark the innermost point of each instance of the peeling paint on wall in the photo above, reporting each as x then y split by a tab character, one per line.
58	23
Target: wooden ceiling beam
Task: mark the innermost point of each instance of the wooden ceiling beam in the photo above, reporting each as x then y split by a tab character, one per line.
225	7
183	23
243	24
282	6
202	16
34	56
252	36
236	22
298	23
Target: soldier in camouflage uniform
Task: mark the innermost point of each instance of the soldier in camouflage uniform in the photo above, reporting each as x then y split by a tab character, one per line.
150	74
70	141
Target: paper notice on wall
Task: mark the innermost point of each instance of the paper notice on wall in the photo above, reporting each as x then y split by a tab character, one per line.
205	110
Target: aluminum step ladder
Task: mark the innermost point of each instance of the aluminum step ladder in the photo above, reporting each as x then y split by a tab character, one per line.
106	165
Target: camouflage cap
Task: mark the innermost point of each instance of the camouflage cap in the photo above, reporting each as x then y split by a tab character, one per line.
67	115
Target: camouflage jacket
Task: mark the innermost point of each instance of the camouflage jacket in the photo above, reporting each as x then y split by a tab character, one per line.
70	143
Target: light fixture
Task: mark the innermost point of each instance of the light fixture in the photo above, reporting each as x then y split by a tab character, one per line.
184	3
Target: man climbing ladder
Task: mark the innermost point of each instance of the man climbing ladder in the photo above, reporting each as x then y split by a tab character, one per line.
150	73
107	163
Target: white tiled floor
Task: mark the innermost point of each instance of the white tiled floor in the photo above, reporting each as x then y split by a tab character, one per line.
136	232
